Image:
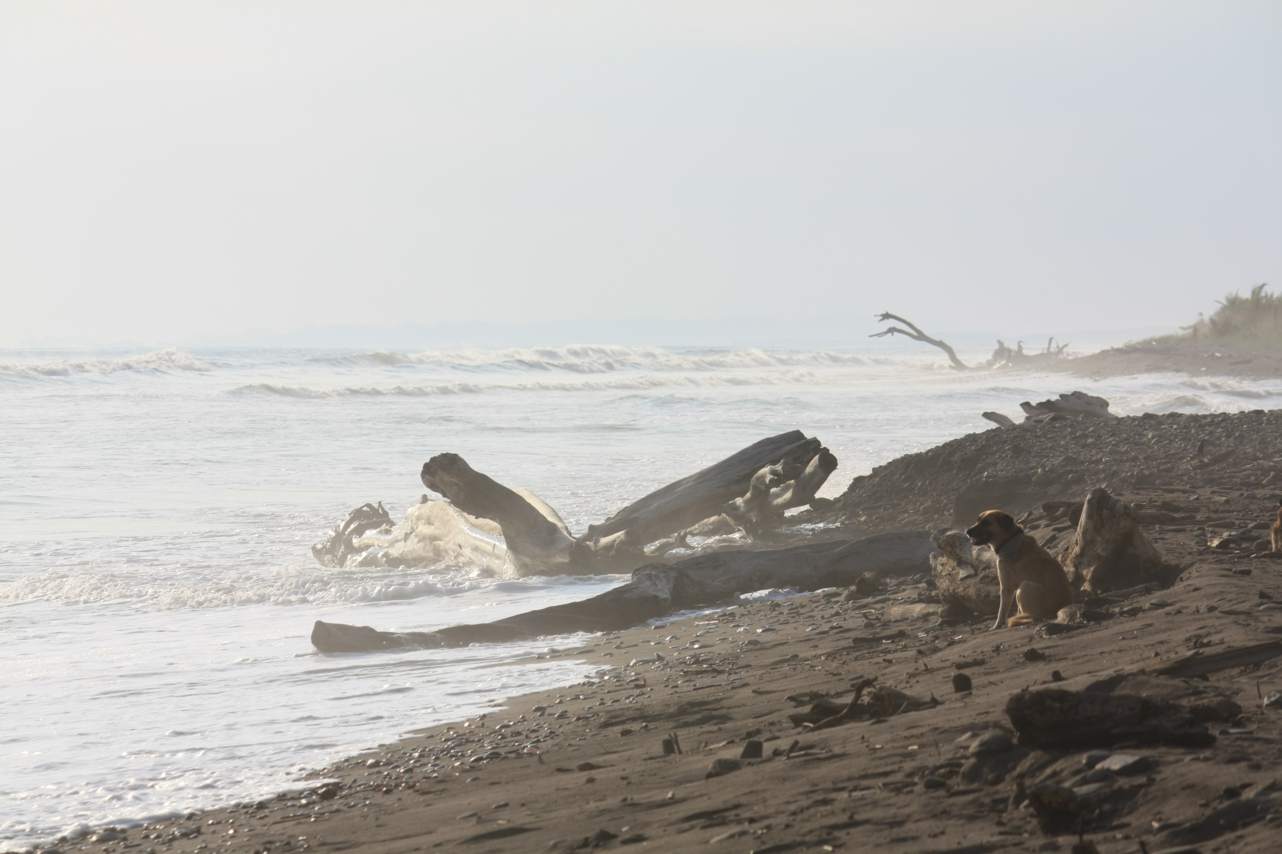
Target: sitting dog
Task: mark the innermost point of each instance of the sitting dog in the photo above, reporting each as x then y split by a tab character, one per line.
1029	577
1275	533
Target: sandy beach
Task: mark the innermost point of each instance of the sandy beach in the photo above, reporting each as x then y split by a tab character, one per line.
587	767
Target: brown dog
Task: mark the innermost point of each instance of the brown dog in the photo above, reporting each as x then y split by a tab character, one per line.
1030	578
1275	533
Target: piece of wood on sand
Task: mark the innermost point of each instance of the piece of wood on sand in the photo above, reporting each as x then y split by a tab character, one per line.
704	580
1109	550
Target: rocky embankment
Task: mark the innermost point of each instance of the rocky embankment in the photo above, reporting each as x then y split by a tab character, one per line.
1021	467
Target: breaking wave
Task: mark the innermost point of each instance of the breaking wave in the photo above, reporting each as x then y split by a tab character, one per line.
598	359
145	589
639	383
159	362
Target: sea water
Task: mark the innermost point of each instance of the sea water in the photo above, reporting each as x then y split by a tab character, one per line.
156	513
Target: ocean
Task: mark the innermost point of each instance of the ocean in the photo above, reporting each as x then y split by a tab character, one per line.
157	508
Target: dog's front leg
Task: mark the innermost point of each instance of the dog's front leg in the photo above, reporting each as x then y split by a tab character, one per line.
1004	597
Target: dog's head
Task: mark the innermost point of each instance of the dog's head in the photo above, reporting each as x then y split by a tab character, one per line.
992	528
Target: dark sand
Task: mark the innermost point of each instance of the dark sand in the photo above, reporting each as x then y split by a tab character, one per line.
582	767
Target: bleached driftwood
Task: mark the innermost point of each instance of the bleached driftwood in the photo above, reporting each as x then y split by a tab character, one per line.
534	538
1076	403
341	544
1017	357
914	332
656	590
1109	551
998	419
750	492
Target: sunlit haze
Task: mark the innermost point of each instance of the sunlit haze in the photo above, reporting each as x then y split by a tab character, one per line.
314	172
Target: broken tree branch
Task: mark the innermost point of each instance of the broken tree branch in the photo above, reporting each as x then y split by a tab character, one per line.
914	332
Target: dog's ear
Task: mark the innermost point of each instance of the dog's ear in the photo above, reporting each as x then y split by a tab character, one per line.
1007	521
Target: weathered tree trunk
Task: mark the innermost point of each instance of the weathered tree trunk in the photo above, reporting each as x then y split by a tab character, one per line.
654	591
965	573
536	542
1074	404
1055	719
705	493
998	419
915	333
1109	551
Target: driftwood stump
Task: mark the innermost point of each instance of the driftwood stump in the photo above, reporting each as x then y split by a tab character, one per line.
965	573
1109	551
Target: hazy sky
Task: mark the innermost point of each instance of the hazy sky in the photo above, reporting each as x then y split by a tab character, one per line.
188	172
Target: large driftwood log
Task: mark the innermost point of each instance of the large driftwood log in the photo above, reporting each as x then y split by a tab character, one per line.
751	489
705	493
1074	404
914	332
701	581
1109	551
535	540
1055	719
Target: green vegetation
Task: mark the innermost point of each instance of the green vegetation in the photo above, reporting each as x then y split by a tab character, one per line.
1251	322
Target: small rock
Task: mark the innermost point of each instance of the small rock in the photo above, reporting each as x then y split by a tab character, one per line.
721	767
751	749
1056	676
1034	654
994	741
932	783
961	683
1094	758
1125	763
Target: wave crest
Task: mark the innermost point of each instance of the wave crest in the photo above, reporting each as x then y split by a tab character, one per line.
158	362
596	359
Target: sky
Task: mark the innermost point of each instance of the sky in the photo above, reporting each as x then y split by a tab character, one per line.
202	173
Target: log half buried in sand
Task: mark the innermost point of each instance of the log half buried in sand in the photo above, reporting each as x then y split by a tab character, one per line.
701	581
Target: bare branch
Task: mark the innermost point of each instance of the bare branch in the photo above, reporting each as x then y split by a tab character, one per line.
914	332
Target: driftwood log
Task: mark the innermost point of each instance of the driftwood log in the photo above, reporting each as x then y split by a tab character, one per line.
1109	551
752	489
1076	404
341	544
1055	719
704	580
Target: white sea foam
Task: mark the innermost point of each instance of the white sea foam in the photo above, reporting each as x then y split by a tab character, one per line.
598	359
636	383
159	362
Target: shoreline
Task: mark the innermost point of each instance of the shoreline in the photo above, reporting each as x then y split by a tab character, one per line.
1195	360
583	766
